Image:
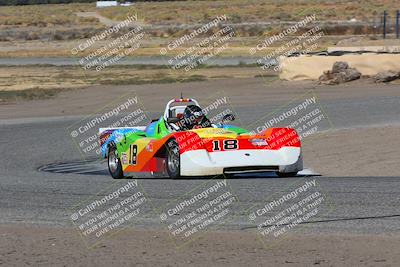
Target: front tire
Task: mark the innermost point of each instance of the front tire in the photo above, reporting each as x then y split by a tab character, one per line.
114	164
173	161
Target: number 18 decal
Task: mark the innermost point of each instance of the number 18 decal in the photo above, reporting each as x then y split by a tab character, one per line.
228	144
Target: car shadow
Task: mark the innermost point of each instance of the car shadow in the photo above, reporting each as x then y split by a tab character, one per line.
98	167
260	175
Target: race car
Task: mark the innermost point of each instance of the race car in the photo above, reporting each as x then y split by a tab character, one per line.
184	142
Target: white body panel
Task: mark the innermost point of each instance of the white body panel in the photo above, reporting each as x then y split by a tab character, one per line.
200	162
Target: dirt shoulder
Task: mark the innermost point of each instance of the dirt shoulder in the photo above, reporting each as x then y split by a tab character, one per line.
25	245
354	152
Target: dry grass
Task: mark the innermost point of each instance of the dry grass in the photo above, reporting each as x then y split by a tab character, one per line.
67	77
189	12
30	94
42	82
45	15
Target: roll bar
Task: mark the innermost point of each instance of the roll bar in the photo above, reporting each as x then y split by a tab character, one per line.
179	100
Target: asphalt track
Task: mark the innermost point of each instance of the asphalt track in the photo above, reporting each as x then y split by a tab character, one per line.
29	195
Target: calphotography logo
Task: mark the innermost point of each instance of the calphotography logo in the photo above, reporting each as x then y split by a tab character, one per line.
305	115
109	212
206	207
283	212
196	48
116	43
285	47
126	111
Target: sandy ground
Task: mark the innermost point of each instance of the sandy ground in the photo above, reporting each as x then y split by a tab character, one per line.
27	245
354	152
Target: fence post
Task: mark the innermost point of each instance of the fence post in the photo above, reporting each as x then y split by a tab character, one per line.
384	23
397	24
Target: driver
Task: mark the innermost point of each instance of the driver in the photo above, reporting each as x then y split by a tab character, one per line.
194	118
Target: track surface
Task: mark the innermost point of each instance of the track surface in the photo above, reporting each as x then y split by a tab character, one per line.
358	204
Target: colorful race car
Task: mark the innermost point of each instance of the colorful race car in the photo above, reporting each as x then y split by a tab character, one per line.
184	142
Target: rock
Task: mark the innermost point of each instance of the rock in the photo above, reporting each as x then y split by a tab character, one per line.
386	76
351	74
340	73
326	76
339	66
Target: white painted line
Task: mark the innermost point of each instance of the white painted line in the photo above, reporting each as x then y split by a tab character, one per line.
64	165
81	167
89	171
307	172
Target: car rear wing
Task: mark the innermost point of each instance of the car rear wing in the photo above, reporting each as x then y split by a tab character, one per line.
140	128
105	133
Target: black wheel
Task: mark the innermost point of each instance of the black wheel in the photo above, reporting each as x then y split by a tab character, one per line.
286	174
114	164
173	161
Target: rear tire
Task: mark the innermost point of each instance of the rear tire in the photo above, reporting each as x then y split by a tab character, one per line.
286	174
114	164
173	160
